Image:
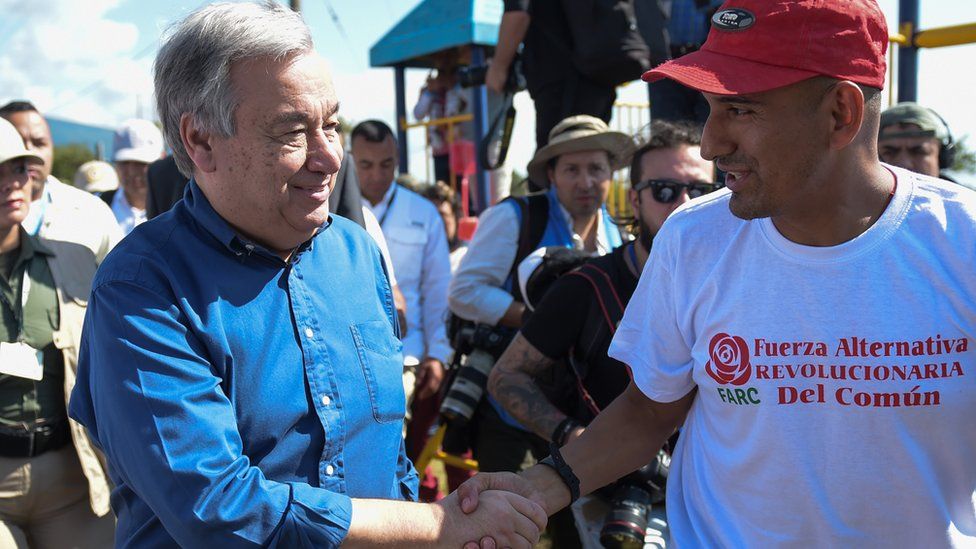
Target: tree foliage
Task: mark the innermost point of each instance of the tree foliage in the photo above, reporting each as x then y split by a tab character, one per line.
965	161
67	158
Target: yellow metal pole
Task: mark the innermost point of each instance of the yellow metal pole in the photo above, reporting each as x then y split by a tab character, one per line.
946	36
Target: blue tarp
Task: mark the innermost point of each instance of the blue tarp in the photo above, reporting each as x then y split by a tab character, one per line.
436	25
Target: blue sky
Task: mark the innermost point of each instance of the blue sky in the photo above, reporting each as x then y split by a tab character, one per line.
90	60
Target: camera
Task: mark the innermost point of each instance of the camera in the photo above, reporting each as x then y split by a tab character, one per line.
470	77
467	389
630	504
469	383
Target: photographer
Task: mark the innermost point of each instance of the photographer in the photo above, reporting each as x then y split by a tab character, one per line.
579	161
572	325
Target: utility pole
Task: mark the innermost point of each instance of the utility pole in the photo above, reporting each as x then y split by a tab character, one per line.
908	53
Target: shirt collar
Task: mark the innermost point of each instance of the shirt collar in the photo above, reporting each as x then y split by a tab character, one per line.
203	212
602	242
123	202
30	246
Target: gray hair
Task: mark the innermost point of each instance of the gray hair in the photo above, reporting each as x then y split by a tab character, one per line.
192	69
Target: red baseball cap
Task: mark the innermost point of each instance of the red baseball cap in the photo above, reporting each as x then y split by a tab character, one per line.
760	45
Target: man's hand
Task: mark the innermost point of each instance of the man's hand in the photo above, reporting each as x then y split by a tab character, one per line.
496	76
503	519
468	493
430	374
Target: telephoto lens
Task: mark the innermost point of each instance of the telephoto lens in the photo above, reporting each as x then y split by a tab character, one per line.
468	388
626	523
630	506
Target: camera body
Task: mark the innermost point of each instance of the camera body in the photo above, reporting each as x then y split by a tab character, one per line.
630	503
469	77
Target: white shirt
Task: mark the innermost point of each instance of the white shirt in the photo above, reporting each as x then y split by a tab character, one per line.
836	385
127	216
372	227
68	214
476	291
415	234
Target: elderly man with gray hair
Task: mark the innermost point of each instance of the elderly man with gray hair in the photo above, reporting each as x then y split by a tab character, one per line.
240	365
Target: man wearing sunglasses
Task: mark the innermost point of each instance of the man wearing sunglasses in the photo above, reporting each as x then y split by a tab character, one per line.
809	328
568	323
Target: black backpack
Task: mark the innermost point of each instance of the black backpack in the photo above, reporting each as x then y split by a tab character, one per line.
608	36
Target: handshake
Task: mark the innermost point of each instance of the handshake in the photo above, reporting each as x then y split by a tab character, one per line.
496	510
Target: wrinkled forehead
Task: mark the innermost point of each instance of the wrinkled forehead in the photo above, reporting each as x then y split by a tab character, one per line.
582	157
302	76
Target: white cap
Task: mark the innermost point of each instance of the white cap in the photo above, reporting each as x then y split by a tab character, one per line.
12	144
525	269
138	141
96	176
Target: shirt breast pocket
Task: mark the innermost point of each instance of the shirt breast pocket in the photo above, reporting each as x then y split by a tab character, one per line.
382	363
407	248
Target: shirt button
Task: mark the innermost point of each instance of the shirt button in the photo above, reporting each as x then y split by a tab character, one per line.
309	333
329	470
326	400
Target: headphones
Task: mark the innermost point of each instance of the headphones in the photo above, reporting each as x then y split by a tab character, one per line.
947	153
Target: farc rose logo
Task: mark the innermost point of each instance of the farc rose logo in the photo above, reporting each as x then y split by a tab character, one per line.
728	360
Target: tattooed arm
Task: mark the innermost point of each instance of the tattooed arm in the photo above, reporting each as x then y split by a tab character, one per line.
512	383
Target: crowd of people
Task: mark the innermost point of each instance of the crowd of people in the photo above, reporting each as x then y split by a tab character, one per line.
244	330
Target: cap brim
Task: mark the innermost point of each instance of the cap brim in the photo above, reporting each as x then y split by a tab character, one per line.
26	155
722	74
618	144
137	155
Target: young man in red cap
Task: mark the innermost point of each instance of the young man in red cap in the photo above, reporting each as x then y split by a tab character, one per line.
816	342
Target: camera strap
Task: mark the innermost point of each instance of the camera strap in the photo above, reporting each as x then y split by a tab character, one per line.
505	116
612	308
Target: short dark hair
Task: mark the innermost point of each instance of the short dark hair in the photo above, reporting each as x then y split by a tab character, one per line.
374	131
441	192
17	106
664	134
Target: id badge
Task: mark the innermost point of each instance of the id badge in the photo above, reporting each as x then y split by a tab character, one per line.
20	360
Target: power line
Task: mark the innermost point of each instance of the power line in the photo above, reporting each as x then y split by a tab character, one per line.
338	24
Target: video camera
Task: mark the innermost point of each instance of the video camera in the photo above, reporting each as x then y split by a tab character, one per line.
469	77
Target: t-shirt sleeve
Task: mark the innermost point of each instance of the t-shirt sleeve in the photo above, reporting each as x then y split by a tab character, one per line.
555	325
649	339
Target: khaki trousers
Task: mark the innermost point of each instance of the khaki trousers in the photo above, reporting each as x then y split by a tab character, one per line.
44	504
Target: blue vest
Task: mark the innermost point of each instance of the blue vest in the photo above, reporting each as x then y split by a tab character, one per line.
557	233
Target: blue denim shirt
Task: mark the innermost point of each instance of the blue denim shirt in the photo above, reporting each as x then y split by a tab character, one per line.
242	400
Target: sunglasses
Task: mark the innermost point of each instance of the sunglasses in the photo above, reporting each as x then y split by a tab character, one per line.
666	191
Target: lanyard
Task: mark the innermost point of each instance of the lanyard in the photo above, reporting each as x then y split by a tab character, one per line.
389	205
25	287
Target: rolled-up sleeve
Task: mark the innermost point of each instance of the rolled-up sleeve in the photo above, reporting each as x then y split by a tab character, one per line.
476	290
153	402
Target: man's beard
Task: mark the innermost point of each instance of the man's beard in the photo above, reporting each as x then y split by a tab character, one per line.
644	234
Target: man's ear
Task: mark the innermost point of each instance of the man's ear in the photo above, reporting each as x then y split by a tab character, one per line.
846	105
198	144
634	198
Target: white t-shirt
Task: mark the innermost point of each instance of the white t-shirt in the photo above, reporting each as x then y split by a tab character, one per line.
836	399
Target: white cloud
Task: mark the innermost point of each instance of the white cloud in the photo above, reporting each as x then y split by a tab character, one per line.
72	61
